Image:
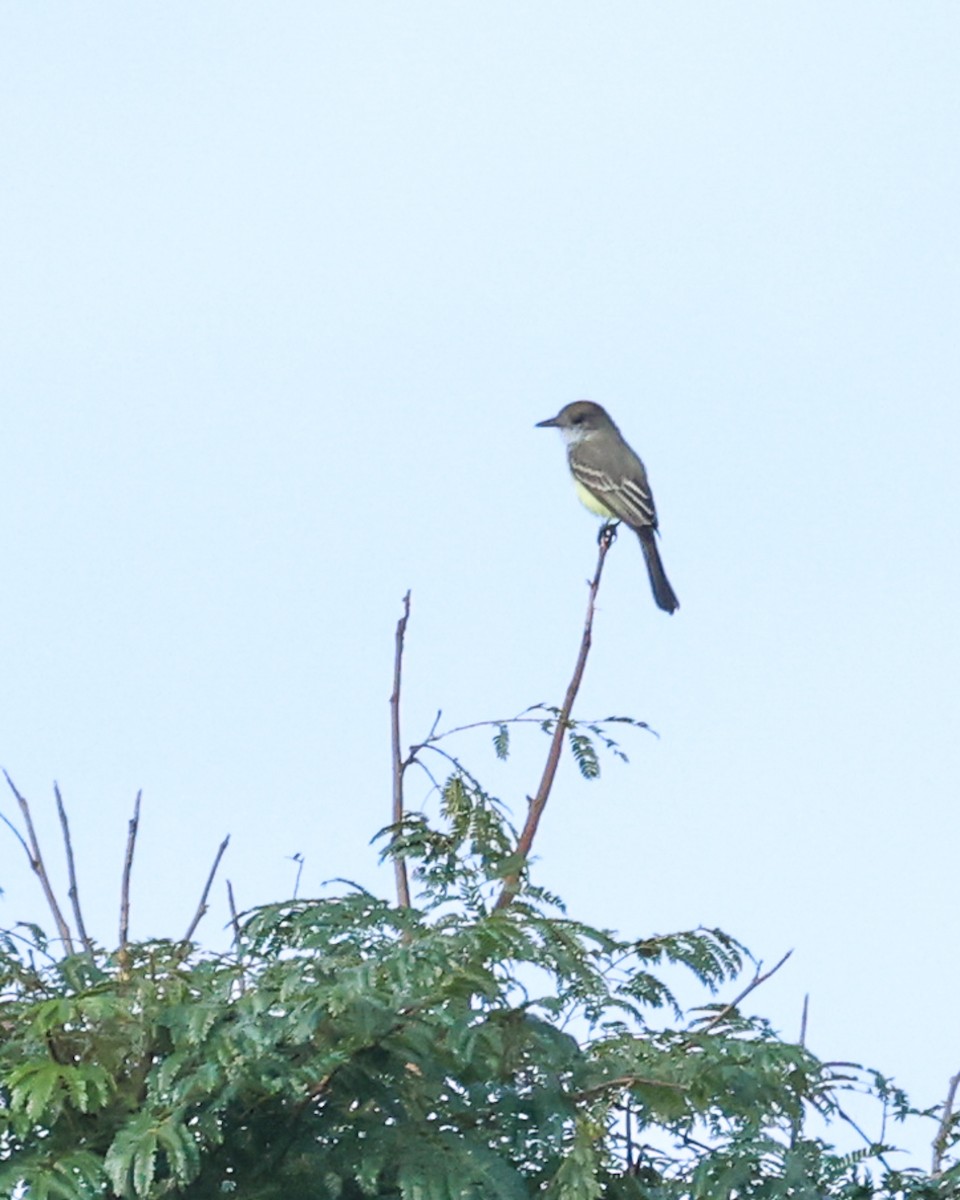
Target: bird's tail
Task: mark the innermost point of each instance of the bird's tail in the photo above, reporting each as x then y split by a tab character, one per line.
663	593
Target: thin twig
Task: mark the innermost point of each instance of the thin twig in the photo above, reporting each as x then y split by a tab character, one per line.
399	863
550	715
511	884
73	893
203	906
456	763
628	1135
845	1116
235	925
234	917
429	774
433	736
796	1125
940	1141
127	867
39	869
17	834
31	942
299	860
754	983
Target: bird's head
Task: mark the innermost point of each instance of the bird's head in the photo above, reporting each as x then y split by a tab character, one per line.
578	420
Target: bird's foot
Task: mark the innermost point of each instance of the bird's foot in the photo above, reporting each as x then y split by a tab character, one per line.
608	534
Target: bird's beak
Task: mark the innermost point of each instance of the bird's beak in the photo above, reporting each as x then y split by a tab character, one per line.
550	423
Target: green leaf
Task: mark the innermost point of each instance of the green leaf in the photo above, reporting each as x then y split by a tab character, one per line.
585	754
144	1163
32	1086
181	1149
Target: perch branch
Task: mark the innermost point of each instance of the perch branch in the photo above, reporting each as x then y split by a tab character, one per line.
399	863
38	867
940	1141
754	983
127	867
73	893
511	884
234	916
235	926
203	906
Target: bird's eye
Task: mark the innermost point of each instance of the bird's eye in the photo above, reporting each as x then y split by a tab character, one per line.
578	420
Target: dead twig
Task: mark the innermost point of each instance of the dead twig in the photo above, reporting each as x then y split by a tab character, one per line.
73	893
943	1132
16	833
35	858
132	828
299	860
511	884
234	917
399	863
796	1125
754	983
203	906
235	925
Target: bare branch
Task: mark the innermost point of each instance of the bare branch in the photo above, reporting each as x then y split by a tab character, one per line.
235	925
455	763
511	884
73	893
433	736
38	867
399	864
203	906
31	942
17	834
234	918
299	860
754	983
127	867
943	1132
796	1125
628	1135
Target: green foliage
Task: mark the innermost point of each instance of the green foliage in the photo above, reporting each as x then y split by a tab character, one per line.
347	1049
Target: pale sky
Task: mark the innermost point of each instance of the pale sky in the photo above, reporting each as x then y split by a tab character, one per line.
285	289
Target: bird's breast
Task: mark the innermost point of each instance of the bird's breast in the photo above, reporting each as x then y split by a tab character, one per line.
589	500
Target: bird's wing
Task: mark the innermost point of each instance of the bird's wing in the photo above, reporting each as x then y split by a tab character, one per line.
628	498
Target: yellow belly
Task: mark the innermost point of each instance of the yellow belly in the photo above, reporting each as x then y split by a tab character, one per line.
589	500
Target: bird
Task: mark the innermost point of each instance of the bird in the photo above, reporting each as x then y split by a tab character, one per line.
611	482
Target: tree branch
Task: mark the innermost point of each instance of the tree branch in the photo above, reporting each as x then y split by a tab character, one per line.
511	884
235	926
127	867
35	858
943	1132
234	917
73	893
203	906
754	983
399	863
